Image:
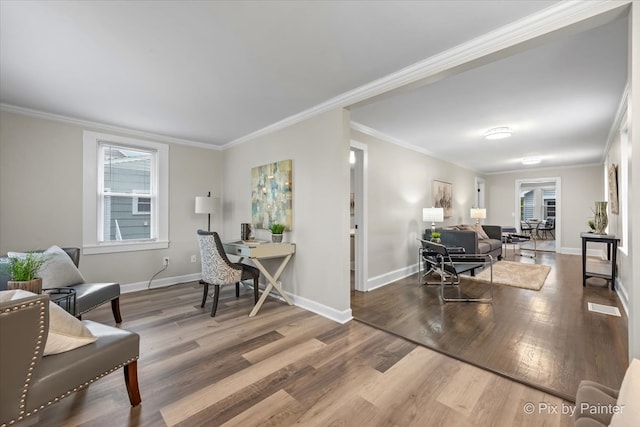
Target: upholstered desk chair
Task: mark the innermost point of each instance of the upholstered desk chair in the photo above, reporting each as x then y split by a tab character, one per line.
217	270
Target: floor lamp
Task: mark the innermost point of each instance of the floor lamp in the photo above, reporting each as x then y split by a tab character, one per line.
205	205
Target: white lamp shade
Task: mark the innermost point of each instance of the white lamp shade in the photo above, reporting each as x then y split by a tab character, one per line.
477	213
433	214
204	205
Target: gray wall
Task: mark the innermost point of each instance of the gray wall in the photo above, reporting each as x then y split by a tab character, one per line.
318	274
399	187
580	188
41	198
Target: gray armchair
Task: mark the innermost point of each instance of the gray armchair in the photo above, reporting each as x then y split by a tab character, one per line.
88	295
31	382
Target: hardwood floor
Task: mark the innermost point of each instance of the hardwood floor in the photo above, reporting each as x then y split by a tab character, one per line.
288	366
547	338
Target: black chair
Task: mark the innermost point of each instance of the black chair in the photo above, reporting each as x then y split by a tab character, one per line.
450	267
217	270
548	226
526	228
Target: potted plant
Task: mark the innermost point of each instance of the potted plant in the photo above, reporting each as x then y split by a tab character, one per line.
435	237
23	272
592	226
276	232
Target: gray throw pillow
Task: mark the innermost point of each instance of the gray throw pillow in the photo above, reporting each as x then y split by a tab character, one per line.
58	270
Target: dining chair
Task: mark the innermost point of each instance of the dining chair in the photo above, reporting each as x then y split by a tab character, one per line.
218	271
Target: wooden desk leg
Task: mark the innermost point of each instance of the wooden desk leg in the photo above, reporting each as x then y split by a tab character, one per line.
273	283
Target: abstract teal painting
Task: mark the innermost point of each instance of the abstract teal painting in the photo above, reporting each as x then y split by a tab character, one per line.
272	195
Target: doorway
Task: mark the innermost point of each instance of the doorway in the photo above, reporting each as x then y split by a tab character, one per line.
358	210
538	211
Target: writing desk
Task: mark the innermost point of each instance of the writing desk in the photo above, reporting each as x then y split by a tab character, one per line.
260	250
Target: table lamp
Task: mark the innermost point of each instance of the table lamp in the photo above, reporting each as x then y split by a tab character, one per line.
434	215
205	205
478	214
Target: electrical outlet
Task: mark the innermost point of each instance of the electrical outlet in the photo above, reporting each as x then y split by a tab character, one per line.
193	258
165	261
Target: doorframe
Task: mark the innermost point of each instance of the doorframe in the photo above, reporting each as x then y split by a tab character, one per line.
480	198
361	179
558	182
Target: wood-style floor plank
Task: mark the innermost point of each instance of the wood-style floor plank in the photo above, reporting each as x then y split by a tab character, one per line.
283	367
547	338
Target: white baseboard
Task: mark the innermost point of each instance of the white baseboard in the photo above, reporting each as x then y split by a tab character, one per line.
325	311
623	296
305	303
578	251
390	277
159	283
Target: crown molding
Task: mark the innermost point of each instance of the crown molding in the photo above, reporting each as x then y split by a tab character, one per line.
101	126
395	141
617	121
497	42
542	169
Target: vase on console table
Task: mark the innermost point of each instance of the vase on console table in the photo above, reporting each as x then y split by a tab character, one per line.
600	219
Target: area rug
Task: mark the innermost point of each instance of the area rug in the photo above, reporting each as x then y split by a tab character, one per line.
516	274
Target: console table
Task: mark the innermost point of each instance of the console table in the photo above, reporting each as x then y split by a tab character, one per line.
257	251
602	270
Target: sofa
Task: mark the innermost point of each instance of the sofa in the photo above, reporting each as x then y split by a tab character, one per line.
63	271
466	237
600	406
36	374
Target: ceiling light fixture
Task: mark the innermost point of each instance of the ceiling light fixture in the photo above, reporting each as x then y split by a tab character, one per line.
531	160
498	133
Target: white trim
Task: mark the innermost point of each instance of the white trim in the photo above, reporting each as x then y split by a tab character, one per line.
362	217
619	122
623	296
390	277
159	283
90	202
492	45
598	253
325	311
543	169
395	141
101	126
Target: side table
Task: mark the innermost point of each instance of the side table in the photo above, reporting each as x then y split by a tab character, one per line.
602	270
64	297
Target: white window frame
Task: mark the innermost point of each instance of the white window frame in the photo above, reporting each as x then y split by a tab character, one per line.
91	225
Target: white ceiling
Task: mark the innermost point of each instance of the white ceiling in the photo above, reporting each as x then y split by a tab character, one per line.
215	71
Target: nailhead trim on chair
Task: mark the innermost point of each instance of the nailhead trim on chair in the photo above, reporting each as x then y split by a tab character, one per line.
35	353
63	395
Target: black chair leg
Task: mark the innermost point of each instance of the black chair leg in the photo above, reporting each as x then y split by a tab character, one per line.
204	293
237	289
215	299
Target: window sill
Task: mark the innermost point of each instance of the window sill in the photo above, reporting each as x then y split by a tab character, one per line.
124	247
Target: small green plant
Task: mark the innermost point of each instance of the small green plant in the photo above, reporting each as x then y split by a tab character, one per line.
592	225
435	235
23	269
277	228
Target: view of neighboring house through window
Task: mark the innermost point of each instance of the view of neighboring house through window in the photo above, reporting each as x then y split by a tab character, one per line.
537	203
126	196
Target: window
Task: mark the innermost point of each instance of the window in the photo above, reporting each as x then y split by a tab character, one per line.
549	202
125	194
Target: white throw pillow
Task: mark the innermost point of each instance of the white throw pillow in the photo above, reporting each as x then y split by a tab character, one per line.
58	270
627	408
65	331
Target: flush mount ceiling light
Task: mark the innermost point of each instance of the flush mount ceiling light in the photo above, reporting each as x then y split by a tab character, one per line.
531	160
498	133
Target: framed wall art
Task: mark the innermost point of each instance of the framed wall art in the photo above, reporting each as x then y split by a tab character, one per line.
272	195
613	189
443	196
